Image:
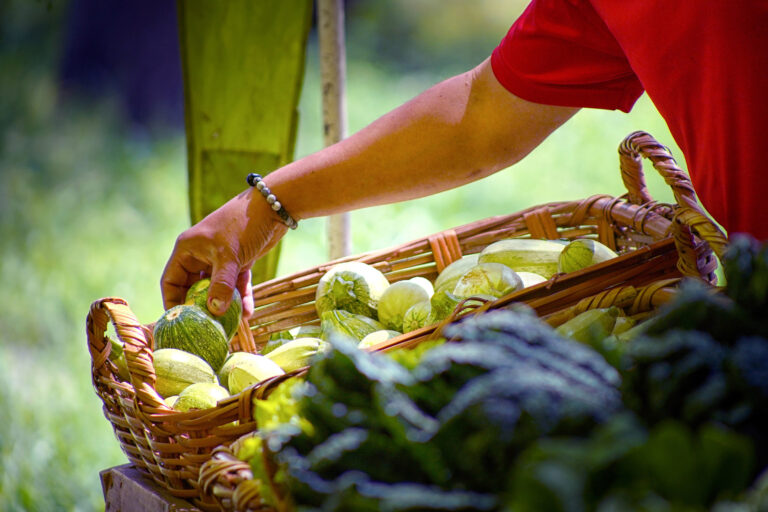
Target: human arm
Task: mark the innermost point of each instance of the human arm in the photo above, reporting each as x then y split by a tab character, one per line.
458	131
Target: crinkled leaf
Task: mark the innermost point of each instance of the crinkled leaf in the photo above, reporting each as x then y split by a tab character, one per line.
528	336
750	360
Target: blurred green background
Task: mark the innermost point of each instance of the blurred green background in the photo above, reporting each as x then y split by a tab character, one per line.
93	193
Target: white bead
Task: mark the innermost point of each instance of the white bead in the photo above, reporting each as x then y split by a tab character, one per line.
276	205
260	185
271	198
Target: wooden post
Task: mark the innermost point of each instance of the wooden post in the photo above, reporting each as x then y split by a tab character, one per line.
330	19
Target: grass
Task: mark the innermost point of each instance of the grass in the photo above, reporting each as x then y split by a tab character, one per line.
89	218
89	209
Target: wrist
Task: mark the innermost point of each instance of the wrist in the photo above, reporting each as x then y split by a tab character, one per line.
263	227
261	188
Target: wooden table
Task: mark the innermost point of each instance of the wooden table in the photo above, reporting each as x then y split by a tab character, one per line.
126	489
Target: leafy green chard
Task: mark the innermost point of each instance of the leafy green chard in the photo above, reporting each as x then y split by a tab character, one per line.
678	375
442	423
278	417
411	357
704	356
282	408
746	271
623	465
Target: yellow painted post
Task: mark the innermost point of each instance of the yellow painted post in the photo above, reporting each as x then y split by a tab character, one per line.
243	67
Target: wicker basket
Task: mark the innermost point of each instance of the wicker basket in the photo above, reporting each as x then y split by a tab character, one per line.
656	243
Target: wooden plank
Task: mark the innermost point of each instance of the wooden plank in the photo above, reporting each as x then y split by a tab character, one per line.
126	489
243	68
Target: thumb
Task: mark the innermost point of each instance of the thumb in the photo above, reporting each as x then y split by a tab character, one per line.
223	279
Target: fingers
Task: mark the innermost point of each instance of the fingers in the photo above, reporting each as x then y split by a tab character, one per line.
224	277
246	292
179	274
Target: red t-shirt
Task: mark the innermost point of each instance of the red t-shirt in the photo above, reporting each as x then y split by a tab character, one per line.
703	64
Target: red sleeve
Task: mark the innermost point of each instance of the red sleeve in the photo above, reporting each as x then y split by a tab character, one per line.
559	52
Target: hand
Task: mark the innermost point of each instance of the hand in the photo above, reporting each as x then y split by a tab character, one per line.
224	245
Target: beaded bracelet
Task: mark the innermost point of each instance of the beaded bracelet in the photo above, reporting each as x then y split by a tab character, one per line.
255	180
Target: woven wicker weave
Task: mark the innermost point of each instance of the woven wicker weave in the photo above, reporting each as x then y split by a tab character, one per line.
656	243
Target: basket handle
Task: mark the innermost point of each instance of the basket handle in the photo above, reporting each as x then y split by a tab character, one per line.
137	346
639	145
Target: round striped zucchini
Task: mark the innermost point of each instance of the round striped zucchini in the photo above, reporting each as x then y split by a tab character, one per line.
187	327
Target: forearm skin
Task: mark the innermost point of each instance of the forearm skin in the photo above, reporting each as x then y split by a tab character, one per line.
460	130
